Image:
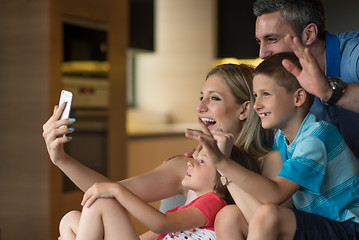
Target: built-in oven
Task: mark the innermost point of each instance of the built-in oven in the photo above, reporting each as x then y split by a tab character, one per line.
85	74
89	107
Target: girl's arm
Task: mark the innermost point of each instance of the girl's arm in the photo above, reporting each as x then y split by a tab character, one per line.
155	220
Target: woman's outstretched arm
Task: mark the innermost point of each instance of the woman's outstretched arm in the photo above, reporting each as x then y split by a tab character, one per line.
164	181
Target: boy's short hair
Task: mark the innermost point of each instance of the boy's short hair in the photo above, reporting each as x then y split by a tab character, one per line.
272	67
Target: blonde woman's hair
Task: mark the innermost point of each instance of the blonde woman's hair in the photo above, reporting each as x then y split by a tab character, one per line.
253	141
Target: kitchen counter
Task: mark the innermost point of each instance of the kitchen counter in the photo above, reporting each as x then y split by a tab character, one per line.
159	130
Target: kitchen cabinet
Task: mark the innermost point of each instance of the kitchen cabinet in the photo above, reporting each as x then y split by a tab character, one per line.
236	29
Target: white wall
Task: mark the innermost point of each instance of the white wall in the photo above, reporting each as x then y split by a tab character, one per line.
170	79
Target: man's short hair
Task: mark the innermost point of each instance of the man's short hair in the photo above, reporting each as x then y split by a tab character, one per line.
298	13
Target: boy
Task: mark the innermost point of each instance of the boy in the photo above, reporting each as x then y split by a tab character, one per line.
319	170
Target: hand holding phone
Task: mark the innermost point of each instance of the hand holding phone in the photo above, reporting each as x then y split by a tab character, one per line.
66	96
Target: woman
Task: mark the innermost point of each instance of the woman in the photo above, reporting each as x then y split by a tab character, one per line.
225	105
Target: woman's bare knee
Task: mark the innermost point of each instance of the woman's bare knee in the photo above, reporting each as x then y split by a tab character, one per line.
70	222
103	205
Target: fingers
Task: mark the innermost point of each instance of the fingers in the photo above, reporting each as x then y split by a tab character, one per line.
59	134
172	157
192	133
54	121
90	196
203	126
301	51
189	154
196	152
291	67
58	111
295	45
86	199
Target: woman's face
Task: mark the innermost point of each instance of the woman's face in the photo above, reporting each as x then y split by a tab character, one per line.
218	107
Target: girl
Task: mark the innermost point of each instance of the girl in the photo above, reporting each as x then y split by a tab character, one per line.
107	219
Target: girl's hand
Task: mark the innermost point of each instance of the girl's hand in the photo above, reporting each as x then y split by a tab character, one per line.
54	135
208	143
100	190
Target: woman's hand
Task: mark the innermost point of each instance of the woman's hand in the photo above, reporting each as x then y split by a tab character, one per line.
100	190
216	145
54	135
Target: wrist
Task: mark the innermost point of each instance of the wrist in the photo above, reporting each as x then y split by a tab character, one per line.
221	163
225	181
337	89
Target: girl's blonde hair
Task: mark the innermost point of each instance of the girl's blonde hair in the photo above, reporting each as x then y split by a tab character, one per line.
253	141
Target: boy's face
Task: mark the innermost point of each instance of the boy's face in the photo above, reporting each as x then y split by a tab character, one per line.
274	104
200	175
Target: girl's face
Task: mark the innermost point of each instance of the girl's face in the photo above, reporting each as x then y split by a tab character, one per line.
200	175
218	106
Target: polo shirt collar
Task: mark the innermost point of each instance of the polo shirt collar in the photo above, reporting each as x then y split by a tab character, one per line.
332	52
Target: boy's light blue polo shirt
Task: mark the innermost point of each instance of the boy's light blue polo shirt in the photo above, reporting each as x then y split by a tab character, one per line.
319	160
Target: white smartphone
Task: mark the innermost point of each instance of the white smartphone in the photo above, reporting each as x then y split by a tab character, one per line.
66	96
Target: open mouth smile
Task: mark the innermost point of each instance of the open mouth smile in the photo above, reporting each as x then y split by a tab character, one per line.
208	122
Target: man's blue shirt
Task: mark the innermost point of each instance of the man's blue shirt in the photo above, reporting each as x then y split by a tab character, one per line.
342	60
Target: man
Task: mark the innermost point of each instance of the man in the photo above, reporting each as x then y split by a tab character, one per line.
299	26
336	55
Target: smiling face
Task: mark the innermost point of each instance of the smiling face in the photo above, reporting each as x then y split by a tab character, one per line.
218	106
274	104
200	176
271	29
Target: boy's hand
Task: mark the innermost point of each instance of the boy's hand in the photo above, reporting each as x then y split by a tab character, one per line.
224	141
311	77
208	143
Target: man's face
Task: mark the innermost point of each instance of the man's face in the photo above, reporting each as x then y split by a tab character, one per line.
270	32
